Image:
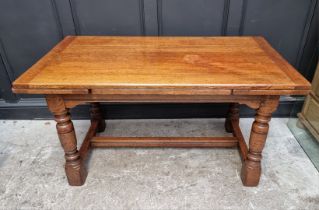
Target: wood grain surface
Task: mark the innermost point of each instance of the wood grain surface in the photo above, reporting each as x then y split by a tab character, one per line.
165	65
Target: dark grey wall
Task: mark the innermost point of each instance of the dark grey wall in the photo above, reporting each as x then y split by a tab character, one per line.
29	29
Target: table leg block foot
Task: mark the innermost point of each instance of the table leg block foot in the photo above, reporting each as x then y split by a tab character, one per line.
228	126
101	127
76	174
250	173
233	114
96	114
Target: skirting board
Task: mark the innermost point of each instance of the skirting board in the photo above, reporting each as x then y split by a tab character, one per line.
37	109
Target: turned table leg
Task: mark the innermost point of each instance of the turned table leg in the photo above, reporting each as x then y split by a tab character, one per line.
74	167
233	114
97	115
251	169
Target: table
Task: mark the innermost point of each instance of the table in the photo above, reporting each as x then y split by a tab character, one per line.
93	69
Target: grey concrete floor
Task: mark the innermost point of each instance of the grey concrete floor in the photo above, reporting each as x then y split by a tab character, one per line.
32	174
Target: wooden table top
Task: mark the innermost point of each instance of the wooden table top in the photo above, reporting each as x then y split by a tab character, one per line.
209	65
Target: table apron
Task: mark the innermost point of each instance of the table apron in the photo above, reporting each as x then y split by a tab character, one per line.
252	101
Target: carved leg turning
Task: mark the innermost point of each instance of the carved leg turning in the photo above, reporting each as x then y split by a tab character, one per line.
251	169
74	167
97	115
233	114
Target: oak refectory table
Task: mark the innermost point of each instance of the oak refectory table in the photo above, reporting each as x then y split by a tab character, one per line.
93	69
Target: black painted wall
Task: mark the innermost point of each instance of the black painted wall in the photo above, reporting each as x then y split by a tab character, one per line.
29	29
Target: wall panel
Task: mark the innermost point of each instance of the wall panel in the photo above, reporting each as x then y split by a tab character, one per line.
189	17
108	17
30	28
282	22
